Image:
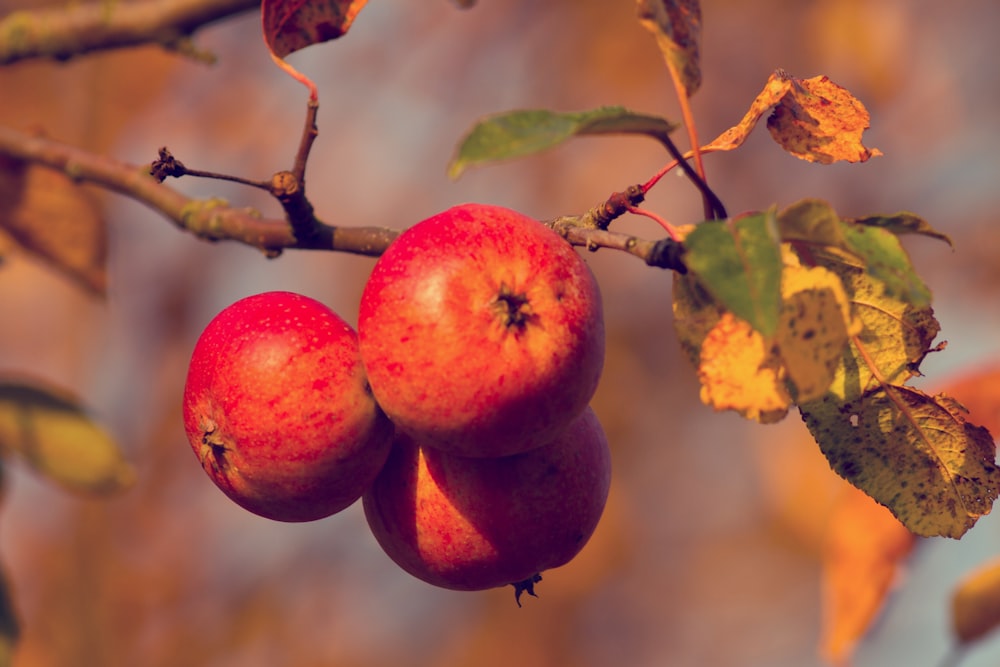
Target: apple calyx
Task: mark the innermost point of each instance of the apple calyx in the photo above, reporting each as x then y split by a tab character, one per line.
526	586
513	308
213	447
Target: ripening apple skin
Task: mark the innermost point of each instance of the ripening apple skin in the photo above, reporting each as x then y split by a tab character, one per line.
278	410
482	332
475	523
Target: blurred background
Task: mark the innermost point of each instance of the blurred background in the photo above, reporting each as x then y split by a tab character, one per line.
709	550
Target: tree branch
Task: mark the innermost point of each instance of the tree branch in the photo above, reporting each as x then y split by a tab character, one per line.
62	33
216	220
210	219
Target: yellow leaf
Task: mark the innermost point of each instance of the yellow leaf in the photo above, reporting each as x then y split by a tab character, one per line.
862	554
975	603
735	371
895	336
51	431
819	121
739	371
814	328
777	85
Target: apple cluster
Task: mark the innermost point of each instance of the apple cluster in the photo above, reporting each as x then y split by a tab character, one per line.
458	412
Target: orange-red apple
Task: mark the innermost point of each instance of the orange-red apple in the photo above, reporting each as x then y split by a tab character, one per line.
278	410
482	332
475	523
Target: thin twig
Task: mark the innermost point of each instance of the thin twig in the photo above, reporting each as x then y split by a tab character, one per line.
309	133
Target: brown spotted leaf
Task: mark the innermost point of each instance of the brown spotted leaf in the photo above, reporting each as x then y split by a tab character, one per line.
912	452
813	119
51	217
819	121
676	25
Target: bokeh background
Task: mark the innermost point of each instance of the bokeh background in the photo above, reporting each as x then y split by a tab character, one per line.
709	551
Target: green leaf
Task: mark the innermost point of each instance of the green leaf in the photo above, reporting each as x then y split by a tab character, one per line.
873	241
812	221
520	133
738	261
52	432
914	453
887	261
904	223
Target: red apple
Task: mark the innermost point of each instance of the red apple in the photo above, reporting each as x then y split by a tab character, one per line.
474	523
278	410
482	332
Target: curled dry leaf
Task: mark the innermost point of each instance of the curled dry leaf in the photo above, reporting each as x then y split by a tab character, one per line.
813	119
819	121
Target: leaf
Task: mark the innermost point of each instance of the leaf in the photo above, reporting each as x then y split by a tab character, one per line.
53	433
291	25
914	453
520	133
864	549
887	261
815	327
819	121
777	85
978	389
813	119
676	25
975	603
52	218
738	371
874	246
739	262
814	222
904	223
895	335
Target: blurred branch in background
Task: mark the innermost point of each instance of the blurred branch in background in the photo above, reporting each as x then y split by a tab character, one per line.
64	32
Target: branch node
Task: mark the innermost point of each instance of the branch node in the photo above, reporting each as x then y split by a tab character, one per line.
166	165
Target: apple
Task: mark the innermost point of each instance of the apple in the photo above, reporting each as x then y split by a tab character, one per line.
482	332
472	523
278	410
